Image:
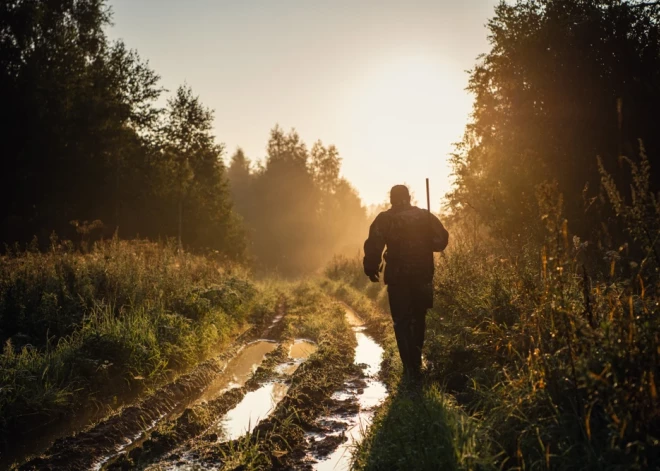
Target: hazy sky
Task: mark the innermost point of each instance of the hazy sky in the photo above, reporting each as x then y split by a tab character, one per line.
382	80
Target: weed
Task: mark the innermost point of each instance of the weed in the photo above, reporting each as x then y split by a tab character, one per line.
80	329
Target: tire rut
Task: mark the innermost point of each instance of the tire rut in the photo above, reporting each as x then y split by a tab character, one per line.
91	448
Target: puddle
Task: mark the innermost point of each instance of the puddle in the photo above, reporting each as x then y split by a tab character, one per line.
44	439
369	355
239	369
299	352
302	349
236	373
256	405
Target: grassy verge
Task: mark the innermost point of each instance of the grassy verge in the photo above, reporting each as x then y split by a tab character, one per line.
415	428
552	346
423	430
85	330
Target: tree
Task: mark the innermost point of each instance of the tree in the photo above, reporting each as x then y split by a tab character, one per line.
240	178
74	111
299	211
565	81
325	164
83	140
193	174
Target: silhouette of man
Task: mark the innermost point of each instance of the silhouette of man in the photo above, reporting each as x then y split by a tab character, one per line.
411	235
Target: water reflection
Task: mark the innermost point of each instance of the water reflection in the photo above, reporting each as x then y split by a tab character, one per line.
256	405
302	349
370	355
239	369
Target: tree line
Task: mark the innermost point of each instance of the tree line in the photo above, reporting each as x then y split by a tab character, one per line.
566	84
298	209
85	146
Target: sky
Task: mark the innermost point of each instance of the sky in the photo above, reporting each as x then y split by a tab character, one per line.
382	80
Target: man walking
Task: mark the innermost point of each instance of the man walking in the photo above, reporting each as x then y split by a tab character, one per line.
411	235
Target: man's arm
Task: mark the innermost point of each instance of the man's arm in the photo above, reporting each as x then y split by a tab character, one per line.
439	234
373	248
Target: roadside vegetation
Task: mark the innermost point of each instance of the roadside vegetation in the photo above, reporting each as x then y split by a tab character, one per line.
82	331
551	347
420	428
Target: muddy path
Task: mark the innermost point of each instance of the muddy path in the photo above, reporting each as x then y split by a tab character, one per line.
231	413
272	401
94	446
351	409
329	403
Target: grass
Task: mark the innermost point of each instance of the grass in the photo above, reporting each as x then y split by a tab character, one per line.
83	330
416	428
540	354
551	347
423	430
551	344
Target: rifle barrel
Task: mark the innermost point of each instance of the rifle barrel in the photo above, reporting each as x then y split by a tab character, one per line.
428	196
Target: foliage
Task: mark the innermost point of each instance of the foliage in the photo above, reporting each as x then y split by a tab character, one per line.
641	218
84	140
549	331
78	328
565	81
299	210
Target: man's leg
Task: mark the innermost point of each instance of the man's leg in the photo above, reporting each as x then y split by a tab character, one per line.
422	300
417	328
401	309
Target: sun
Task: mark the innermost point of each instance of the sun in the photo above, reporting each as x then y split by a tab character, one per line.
406	114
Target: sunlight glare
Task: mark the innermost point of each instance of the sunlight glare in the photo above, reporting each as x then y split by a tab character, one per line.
408	113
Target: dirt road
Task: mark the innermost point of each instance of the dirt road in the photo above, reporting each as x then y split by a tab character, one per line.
273	400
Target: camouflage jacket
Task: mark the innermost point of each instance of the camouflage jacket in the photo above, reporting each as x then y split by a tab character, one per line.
411	235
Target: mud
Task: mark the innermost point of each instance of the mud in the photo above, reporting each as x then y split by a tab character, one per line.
280	438
91	448
331	401
352	409
267	389
303	405
238	369
198	418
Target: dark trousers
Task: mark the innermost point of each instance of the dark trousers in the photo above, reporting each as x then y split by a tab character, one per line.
408	305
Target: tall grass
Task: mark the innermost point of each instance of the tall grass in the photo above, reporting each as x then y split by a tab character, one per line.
85	328
554	344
